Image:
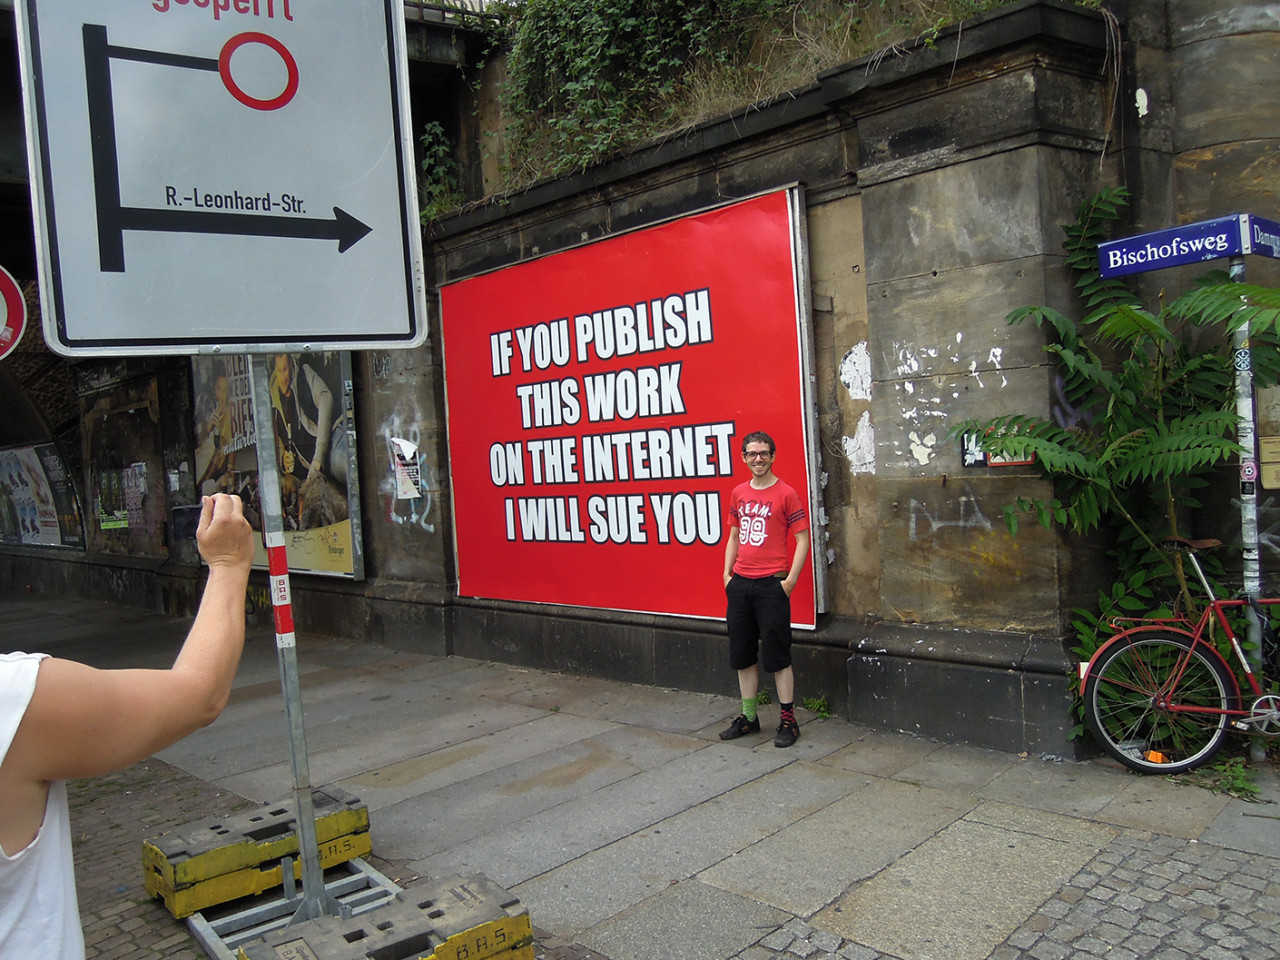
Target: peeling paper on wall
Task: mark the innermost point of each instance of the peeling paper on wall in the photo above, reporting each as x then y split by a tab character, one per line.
408	478
855	372
860	449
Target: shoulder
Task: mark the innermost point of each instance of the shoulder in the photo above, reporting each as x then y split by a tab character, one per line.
18	667
783	490
18	674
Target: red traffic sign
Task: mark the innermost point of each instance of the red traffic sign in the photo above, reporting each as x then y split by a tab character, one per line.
13	313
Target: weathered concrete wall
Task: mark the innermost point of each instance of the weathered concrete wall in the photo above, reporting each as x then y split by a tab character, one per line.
838	275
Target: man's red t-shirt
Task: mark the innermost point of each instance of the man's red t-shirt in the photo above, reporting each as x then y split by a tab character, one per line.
764	518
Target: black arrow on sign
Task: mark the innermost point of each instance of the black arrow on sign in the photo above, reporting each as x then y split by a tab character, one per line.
114	219
343	227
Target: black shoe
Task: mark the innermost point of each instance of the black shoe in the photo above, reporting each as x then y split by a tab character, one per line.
788	733
740	728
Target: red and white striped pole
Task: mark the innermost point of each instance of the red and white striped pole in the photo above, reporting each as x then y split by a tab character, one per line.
315	901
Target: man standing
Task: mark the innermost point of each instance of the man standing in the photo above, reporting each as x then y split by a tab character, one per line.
758	580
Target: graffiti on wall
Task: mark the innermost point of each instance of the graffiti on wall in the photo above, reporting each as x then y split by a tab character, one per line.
406	488
925	522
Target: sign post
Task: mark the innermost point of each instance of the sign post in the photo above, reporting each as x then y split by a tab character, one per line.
226	177
315	901
1232	236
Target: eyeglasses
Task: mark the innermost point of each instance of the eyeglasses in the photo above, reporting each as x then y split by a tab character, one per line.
765	455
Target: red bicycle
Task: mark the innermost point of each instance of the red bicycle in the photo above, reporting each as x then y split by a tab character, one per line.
1158	695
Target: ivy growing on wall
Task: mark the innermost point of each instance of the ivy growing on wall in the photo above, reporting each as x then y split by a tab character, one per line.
589	78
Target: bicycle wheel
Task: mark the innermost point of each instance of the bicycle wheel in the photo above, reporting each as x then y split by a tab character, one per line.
1127	703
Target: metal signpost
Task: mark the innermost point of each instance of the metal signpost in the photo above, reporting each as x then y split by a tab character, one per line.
1234	237
234	176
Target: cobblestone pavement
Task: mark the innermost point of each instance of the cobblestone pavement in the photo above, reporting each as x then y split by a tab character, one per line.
1143	896
110	817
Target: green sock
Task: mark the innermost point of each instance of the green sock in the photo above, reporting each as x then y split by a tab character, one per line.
749	707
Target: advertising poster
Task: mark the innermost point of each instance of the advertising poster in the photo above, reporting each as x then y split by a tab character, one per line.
314	451
38	505
597	400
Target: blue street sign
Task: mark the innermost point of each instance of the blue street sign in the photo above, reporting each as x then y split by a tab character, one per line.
1230	236
1263	236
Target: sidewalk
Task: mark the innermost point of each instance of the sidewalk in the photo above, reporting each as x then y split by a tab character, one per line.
632	832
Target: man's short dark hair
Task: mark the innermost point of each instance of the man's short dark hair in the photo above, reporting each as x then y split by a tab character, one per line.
758	436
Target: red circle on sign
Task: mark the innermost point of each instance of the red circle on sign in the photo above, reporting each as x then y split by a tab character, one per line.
290	65
15	313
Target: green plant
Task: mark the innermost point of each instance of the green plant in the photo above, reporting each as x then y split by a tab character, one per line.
762	697
1143	427
1147	415
588	78
1231	776
818	705
438	188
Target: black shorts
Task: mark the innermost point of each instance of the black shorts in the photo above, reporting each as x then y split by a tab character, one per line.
759	619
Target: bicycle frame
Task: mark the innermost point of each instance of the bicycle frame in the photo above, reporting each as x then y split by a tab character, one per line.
1196	633
1160	695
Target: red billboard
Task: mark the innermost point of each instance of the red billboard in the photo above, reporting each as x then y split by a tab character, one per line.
597	400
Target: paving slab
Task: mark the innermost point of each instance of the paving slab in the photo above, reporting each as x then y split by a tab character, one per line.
425	771
1042	823
529	847
958	768
588	890
611	808
1076	789
689	921
1252	826
655	707
879	753
349	714
1148	803
333	757
545	690
487	807
958	896
806	865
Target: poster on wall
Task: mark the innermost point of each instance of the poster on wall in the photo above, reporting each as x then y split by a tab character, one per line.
314	431
597	400
38	504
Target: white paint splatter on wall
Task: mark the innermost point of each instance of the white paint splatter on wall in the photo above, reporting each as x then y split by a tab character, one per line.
922	448
860	449
855	372
996	355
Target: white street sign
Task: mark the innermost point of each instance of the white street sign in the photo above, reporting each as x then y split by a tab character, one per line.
217	176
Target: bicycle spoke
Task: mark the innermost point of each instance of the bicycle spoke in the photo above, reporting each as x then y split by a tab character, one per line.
1137	697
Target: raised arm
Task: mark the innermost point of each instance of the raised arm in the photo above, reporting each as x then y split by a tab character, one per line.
84	722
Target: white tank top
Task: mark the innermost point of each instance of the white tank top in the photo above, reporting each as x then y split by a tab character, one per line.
39	916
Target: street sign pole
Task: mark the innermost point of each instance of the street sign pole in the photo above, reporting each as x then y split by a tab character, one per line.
1251	572
316	900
